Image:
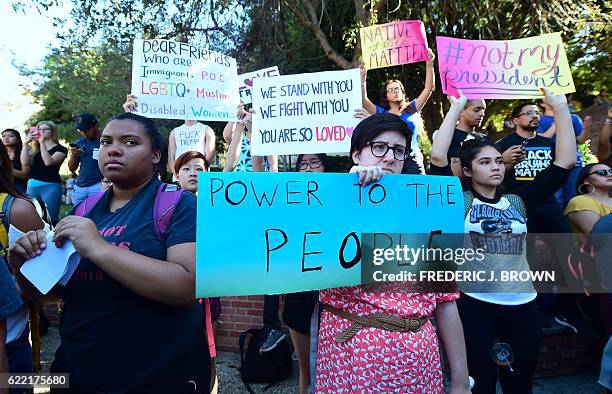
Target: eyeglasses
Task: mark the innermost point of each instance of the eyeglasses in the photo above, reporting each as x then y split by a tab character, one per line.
394	90
313	164
602	172
530	113
380	149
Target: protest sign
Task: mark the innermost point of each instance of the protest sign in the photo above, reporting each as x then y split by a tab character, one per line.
246	82
175	80
393	44
262	234
508	69
305	113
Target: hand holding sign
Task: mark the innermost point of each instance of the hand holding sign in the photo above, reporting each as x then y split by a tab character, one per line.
555	101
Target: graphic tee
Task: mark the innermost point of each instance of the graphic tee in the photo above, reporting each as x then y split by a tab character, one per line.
540	154
189	138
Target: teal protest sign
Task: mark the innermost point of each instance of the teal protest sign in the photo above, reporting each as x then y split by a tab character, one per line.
262	233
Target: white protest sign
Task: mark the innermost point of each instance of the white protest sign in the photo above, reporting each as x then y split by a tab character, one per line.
305	113
175	80
246	82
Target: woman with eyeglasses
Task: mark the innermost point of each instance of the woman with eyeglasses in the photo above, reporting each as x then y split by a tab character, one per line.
47	155
374	359
593	199
497	224
393	100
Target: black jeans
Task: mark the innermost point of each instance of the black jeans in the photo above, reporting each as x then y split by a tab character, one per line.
270	312
519	326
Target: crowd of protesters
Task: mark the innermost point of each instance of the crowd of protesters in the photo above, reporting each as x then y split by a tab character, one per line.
134	288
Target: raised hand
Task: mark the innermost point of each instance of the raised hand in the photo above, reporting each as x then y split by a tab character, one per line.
554	101
130	103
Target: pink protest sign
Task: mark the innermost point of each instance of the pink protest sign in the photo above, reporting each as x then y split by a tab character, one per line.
508	69
393	44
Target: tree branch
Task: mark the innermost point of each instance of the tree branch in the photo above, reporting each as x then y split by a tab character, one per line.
311	23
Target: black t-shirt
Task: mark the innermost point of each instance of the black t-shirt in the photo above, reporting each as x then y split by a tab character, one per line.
45	173
540	154
114	340
20	184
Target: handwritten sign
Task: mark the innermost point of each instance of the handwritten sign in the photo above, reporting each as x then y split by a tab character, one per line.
175	80
393	44
508	69
301	231
305	113
246	82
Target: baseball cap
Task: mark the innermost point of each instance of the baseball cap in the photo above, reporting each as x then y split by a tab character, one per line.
85	121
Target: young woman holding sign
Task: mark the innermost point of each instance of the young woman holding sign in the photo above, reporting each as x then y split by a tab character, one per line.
129	323
393	99
374	359
502	314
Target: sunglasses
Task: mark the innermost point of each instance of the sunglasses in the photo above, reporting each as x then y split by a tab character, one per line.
601	172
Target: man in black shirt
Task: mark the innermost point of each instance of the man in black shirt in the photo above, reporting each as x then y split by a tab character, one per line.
470	119
525	155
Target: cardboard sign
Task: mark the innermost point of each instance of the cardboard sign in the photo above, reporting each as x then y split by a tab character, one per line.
509	69
393	44
305	113
264	234
175	80
246	82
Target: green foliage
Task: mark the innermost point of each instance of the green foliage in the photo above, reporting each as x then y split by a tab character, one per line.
91	70
78	80
585	153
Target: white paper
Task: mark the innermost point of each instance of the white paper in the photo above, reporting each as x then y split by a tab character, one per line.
55	265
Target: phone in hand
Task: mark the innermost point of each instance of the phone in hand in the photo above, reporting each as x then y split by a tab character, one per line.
524	144
34	134
74	146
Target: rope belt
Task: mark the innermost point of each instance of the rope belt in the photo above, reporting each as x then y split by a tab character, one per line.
376	320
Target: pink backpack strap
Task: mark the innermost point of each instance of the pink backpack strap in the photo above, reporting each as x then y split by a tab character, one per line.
85	207
166	200
209	329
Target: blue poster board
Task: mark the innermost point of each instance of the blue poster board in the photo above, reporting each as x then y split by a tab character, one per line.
273	233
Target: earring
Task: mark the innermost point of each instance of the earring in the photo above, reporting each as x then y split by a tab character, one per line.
582	191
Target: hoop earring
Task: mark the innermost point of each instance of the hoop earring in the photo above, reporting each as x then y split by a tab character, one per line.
581	190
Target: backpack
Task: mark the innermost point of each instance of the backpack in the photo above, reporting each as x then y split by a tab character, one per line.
515	201
5	216
268	367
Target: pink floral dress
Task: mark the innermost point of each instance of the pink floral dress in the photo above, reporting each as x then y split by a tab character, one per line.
375	360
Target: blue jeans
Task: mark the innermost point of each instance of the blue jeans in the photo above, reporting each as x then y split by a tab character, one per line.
19	354
50	193
83	192
568	191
